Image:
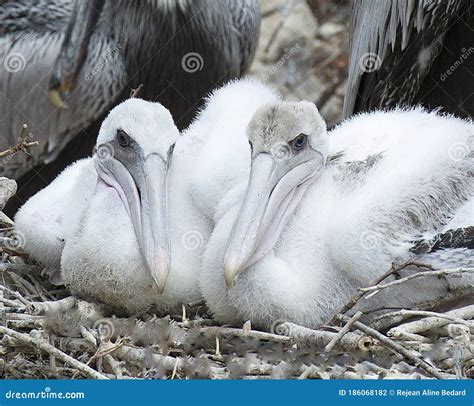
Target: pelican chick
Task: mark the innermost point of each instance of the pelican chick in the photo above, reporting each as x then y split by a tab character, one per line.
311	230
119	251
100	225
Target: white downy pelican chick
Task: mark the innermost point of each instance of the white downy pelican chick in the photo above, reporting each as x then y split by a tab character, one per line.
119	252
311	230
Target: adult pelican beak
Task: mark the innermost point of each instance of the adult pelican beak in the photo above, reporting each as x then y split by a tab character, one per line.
73	53
143	192
273	193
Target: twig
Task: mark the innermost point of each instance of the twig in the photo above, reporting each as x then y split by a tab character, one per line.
377	288
53	351
38	308
15	294
306	336
134	92
22	145
342	332
417	361
238	332
430	323
393	270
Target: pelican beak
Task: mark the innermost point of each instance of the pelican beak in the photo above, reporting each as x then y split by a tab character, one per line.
73	53
273	193
143	192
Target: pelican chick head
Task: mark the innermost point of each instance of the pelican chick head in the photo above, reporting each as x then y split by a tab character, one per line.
289	145
133	153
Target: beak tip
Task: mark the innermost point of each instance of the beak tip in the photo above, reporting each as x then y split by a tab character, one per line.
55	98
231	271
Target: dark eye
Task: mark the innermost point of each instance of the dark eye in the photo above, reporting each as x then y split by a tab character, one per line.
170	151
123	138
299	142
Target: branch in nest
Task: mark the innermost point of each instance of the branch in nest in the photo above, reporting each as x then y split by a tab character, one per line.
397	348
134	92
53	351
238	332
306	336
393	270
430	323
377	288
22	144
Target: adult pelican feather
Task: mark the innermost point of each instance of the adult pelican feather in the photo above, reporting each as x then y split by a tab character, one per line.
87	55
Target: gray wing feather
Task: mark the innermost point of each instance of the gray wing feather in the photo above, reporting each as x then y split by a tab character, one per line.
403	38
27	55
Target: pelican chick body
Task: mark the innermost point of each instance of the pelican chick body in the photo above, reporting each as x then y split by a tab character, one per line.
311	230
119	251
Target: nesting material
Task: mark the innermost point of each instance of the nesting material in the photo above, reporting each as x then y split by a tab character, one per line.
47	333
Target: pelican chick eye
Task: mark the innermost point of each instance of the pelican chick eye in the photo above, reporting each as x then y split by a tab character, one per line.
170	152
123	138
299	142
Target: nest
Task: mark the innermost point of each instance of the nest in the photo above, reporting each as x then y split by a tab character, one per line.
47	333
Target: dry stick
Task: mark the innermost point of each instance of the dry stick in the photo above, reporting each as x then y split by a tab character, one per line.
430	323
22	145
18	268
238	332
378	287
342	332
134	92
393	270
39	308
15	294
53	351
306	336
417	361
422	313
